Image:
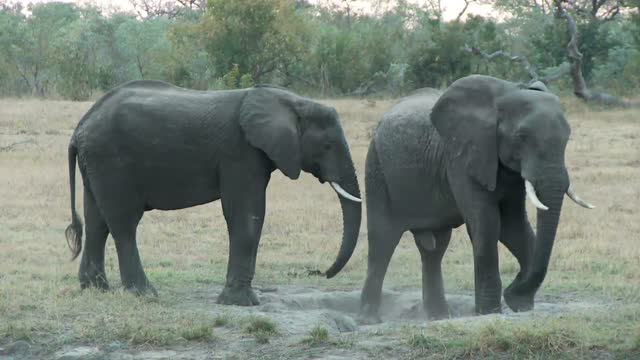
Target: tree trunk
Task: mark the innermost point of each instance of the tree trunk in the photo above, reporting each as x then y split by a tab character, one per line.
580	88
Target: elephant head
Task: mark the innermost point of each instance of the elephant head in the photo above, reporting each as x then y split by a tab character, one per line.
299	134
492	123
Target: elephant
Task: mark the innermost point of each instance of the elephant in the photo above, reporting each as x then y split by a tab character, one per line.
469	156
148	145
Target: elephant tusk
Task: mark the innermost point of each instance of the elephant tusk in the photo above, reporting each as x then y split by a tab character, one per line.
531	194
342	192
573	196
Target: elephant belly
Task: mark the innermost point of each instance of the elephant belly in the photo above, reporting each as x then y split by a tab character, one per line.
177	190
419	200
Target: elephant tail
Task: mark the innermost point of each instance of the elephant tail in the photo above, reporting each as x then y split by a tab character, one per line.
73	231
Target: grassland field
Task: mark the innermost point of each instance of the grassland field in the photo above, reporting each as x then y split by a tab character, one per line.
589	302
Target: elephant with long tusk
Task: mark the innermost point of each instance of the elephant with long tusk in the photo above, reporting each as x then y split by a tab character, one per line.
150	145
531	194
472	156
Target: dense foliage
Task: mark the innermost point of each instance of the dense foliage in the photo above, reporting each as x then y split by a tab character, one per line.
60	49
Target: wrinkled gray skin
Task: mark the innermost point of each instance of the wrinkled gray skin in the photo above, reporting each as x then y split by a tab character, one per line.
150	145
435	164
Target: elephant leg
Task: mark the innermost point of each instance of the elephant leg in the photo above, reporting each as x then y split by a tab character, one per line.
518	236
122	208
131	272
433	299
488	286
243	205
481	213
91	271
383	239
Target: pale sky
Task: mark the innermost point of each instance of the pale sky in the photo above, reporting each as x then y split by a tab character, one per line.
450	8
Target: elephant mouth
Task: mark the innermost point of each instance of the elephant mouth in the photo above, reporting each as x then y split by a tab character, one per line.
315	171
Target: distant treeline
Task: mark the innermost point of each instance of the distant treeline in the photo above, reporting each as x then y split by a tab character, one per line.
63	50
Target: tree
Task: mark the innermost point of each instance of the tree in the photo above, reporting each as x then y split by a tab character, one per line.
145	45
26	41
580	88
261	36
583	19
75	55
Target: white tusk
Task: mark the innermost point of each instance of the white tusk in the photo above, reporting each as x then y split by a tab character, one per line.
577	199
531	193
342	192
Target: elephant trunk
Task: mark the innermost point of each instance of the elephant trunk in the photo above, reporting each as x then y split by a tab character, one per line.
551	192
351	217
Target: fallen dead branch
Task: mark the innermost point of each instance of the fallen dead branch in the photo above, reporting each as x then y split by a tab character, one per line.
11	146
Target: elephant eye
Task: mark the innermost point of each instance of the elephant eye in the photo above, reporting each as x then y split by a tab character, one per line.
520	136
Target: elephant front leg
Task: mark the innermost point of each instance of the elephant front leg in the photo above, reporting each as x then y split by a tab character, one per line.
488	287
244	213
481	213
482	217
517	235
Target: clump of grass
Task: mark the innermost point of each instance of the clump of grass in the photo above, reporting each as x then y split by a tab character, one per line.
17	331
318	335
506	337
166	334
425	342
221	320
262	328
498	338
201	332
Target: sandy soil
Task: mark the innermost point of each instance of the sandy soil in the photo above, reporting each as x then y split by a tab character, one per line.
297	310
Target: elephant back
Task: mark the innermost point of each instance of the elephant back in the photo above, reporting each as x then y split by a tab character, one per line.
410	150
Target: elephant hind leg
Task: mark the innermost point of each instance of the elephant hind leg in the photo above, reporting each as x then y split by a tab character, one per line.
383	239
122	208
91	271
432	246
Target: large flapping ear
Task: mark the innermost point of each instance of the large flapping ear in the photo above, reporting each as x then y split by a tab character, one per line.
270	122
466	117
538	85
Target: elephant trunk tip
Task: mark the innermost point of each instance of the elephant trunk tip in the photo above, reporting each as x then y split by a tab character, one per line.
333	270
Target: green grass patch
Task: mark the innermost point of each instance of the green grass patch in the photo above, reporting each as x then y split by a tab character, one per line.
317	336
262	328
560	337
222	320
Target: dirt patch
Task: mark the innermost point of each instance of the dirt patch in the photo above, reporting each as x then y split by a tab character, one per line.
297	311
301	322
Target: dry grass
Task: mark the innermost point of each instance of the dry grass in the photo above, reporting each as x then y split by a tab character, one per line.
596	258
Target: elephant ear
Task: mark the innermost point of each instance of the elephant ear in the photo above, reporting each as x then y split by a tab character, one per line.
466	117
270	122
538	85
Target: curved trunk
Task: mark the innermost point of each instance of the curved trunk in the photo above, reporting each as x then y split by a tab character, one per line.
351	217
551	193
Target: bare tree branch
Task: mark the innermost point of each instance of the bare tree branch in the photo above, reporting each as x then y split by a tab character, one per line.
580	88
575	57
11	146
533	74
531	70
464	9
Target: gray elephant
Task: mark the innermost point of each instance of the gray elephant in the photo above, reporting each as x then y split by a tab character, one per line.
150	145
467	157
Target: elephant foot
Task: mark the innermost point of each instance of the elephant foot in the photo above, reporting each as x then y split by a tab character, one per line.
486	308
437	311
368	316
238	295
142	290
517	302
93	280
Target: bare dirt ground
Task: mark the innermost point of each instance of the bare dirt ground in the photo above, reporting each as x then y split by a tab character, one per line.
588	306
